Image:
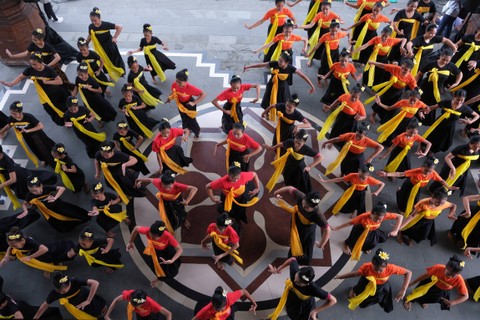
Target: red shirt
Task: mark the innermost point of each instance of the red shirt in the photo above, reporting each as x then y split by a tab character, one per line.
403	81
338	70
245	140
374	22
354	178
229	232
352	108
417	176
358	146
229	94
287	44
225	184
164	241
282	15
176	188
385	46
447	283
326	19
208	313
404	104
149	306
366	219
185	93
334	41
402	140
160	141
367	269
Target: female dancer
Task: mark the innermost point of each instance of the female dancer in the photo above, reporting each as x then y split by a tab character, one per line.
306	216
365	234
62	216
377	272
73	178
225	241
292	164
300	292
149	94
162	247
240	147
80	302
171	203
183	94
129	142
353	199
232	110
49	86
408	21
97	251
153	57
38	44
80	120
420	224
348	110
29	132
435	284
105	45
134	110
138	302
222	304
351	155
92	96
170	156
115	168
465	230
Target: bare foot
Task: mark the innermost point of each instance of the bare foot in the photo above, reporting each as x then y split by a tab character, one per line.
368	251
100	124
309	63
219	265
372	118
109	270
346	249
187	224
400	238
47	274
424	305
43	164
407	305
154	282
351	294
128	221
154	80
353	214
108	92
111	234
410	242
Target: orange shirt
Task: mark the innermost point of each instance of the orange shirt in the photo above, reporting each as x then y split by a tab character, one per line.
354	178
403	81
404	104
425	205
369	3
386	46
282	15
367	269
374	22
326	19
358	146
417	176
338	70
352	108
334	41
366	219
447	283
287	44
402	140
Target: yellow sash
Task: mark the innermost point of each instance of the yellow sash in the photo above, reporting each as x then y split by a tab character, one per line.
331	119
295	241
391	125
423	10
217	238
37	264
9	192
147	50
418	58
468	81
47	213
373	57
143	92
111	180
278	129
466	56
276	76
279	165
130	310
150	251
88	254
278	50
361	38
313	40
476	296
467	230
233	110
147	132
420	291
433	77
273	30
427	213
383	87
411	198
169	162
44	98
102	136
393	165
328	52
73	310
416	25
117	216
444	116
357	248
132	149
174	96
94	76
369	291
283	300
313	12
114	71
344	79
19	136
161	208
461	169
227	154
347	194
343	153
230	199
65	179
85	101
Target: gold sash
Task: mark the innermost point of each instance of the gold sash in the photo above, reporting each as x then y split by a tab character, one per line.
411	198
143	92
150	251
169	162
217	238
313	12
147	132
278	50
273	30
85	101
132	149
65	179
427	213
418	58
313	40
357	248
94	76
467	230
233	110
174	96
373	57
88	254
278	129
416	25
283	300
19	136
117	216
468	81
448	112
328	52
361	37
279	165
44	98
347	194
369	291
461	169
114	71
466	56
102	136
227	154
433	77
276	76
383	87
476	296
111	180
161	208
343	153
420	291
391	125
9	192
147	50
73	310
47	213
35	263
395	163
230	199
295	241
331	119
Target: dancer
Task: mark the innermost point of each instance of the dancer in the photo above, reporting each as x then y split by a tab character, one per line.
465	230
73	177
149	94
138	302
407	21
129	142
